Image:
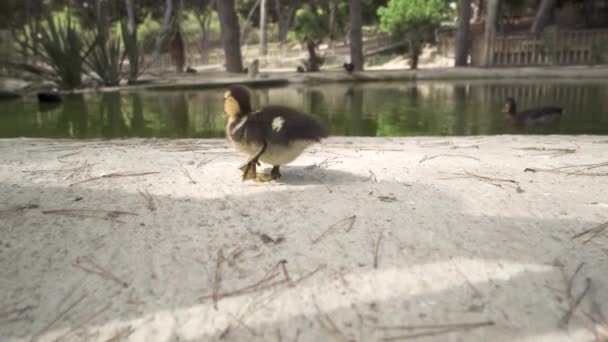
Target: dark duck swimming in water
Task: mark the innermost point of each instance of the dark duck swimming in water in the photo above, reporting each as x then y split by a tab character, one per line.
273	134
541	116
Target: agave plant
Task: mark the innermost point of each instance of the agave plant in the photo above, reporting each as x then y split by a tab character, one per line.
63	50
106	60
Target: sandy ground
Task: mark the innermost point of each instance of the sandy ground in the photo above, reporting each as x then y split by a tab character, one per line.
359	240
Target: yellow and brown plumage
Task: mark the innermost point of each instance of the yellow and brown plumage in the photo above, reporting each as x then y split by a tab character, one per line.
275	135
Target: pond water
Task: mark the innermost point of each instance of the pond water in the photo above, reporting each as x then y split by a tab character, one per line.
348	109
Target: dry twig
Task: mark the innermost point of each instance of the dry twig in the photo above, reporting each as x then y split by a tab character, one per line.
498	182
265	283
285	273
432	329
122	334
149	199
204	162
595	232
187	174
377	250
19	208
326	163
107	215
351	221
372	176
83	323
553	152
563	322
217	279
115	175
436	144
575	170
89	265
329	325
426	158
58	317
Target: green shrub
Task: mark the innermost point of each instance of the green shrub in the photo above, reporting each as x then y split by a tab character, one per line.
106	60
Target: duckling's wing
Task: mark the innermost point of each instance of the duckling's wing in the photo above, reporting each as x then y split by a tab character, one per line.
282	125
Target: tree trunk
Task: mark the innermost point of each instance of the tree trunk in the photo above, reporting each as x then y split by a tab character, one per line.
479	10
462	35
229	24
178	54
206	27
263	13
101	11
415	49
542	16
164	33
313	60
285	19
204	20
356	39
248	20
332	22
178	49
131	46
131	16
490	30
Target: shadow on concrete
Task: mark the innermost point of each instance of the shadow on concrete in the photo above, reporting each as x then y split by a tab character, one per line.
437	263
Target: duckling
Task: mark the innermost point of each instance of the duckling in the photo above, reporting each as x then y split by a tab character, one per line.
532	117
349	67
275	135
52	96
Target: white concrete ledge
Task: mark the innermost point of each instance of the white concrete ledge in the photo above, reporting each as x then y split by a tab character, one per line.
100	239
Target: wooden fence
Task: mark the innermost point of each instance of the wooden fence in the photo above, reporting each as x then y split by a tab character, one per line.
554	47
288	55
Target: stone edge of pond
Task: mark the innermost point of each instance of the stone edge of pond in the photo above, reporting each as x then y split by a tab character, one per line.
279	79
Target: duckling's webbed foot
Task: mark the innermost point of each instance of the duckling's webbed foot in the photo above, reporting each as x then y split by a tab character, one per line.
263	178
275	173
249	168
248	164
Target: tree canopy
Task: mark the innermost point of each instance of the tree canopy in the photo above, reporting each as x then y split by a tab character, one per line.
406	16
415	19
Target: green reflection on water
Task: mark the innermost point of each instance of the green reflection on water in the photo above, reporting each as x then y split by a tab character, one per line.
372	109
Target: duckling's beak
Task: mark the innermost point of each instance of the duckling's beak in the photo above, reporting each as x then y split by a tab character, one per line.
231	106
